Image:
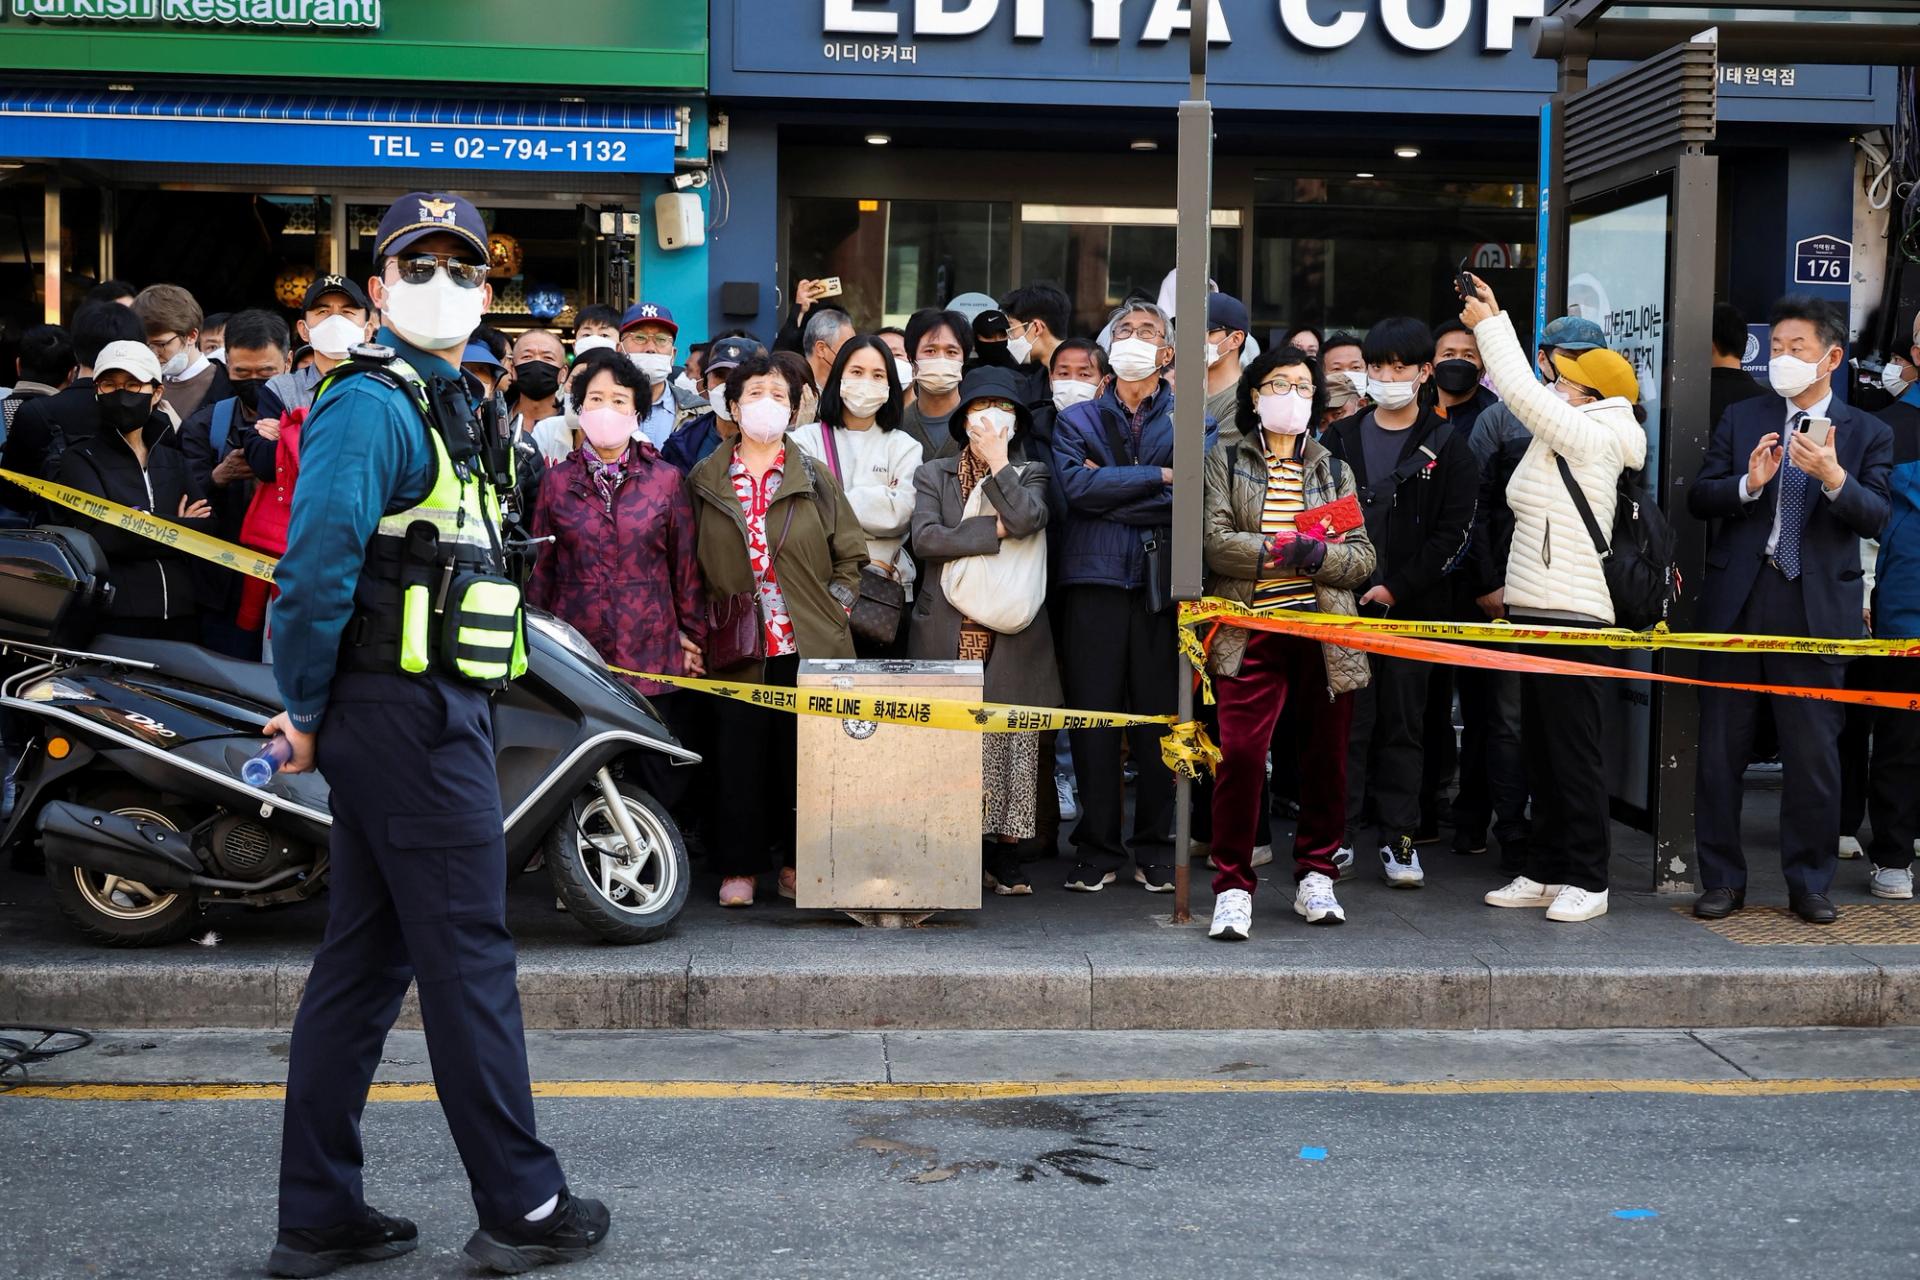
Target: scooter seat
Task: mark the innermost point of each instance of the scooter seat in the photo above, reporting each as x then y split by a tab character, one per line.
250	680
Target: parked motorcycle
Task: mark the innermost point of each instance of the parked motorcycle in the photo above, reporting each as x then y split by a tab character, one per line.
133	750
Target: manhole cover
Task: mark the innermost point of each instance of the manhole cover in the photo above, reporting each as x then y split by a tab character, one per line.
1881	924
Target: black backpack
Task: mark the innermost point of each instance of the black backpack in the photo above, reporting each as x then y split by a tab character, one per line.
1638	560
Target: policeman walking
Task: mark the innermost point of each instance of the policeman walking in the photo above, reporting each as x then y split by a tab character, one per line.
393	628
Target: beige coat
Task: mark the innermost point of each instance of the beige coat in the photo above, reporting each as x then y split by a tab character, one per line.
1236	551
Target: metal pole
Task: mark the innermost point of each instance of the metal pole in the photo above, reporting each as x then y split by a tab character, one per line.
1195	200
51	265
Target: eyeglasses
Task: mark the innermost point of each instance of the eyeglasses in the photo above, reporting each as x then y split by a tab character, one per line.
1280	387
981	405
1147	332
159	345
1577	388
418	268
649	340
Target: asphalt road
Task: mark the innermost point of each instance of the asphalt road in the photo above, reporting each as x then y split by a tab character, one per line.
1530	1179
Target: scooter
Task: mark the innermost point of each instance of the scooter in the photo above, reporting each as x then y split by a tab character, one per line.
133	748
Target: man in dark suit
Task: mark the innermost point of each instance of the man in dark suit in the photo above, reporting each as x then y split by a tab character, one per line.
1785	560
1729	383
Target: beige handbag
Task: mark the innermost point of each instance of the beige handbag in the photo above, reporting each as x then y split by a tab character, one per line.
1002	592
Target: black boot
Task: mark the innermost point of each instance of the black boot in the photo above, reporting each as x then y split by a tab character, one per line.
574	1230
309	1252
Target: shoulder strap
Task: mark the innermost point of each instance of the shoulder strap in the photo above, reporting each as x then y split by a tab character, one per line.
1423	454
1580	504
221	426
832	450
820	498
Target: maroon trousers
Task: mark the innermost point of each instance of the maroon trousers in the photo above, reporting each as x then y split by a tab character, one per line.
1279	672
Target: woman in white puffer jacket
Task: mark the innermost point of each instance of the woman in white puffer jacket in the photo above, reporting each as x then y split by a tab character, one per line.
1591	418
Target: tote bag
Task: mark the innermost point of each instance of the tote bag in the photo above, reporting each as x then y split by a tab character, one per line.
1002	592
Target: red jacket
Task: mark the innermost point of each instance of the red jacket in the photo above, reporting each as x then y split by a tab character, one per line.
624	573
265	525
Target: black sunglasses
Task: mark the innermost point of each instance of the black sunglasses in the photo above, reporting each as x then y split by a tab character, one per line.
418	268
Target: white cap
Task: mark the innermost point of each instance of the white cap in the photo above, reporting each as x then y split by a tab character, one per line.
136	358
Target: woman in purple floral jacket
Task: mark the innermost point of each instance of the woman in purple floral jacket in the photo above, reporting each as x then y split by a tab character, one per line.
621	567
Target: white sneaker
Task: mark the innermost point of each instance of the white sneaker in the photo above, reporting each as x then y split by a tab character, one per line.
1850	847
1232	916
1401	866
1574	904
1262	855
1343	861
1314	899
1522	892
1069	803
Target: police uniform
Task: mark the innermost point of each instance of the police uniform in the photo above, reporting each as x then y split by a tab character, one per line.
389	535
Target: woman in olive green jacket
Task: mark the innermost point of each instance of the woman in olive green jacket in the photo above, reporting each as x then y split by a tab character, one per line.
1256	486
774	528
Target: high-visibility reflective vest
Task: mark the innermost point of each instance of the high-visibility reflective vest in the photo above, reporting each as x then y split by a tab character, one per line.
433	596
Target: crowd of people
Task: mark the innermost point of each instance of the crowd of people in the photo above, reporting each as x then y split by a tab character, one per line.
984	484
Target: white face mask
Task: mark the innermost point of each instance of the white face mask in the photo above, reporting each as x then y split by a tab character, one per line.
717	398
683	384
335	336
1356	379
656	366
592	342
177	364
764	421
1285	414
1021	349
991	422
938	376
1135	359
1891	381
862	397
1068	392
1391	395
218	355
903	369
436	315
1790	375
1213	354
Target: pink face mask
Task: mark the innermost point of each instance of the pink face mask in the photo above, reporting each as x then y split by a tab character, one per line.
1286	414
608	428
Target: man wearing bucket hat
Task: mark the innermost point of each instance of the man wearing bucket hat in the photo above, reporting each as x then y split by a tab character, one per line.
402	724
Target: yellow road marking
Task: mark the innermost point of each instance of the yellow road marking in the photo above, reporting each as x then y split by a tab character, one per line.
986	1090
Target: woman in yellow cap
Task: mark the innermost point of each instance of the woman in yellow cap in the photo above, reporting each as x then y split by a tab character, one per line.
1590	419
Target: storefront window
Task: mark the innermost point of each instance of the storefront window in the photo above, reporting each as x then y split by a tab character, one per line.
1103	256
1346	252
894	257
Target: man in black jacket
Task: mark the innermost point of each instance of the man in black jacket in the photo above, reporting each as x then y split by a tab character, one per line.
44	428
217	442
154	594
1418	487
1728	382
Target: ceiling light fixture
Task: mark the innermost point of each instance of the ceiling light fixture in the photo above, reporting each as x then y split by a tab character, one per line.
1143	144
1363	175
879	139
1407	152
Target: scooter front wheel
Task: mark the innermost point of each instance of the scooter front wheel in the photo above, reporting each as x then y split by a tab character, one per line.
116	911
623	893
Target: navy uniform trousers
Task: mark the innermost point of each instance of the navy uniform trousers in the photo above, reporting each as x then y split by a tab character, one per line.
1809	748
417	893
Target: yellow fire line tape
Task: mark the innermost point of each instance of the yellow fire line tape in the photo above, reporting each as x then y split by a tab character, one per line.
696	1090
1214	609
923	713
212	550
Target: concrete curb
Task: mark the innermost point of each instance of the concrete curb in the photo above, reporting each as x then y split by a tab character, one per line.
676	989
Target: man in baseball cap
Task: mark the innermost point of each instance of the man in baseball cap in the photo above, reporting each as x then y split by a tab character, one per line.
650	338
1227	327
335	317
703	433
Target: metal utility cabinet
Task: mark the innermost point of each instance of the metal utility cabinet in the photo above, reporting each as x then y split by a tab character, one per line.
888	814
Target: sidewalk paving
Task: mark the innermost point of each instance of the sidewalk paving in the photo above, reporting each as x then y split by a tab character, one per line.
1433	959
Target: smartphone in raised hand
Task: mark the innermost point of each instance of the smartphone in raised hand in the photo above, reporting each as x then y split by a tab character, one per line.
1463	283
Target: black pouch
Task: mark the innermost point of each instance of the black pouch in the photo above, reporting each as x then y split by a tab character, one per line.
1159	570
481	637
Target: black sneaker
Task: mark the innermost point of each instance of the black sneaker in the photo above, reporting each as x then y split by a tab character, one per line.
574	1230
374	1238
1427	831
1154	878
1087	878
1003	874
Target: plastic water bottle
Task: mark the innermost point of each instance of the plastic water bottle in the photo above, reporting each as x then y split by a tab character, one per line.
259	770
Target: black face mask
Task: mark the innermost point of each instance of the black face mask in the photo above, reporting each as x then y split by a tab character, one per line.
124	411
248	391
536	380
1456	377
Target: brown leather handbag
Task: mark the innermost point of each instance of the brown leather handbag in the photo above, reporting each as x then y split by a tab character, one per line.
735	634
